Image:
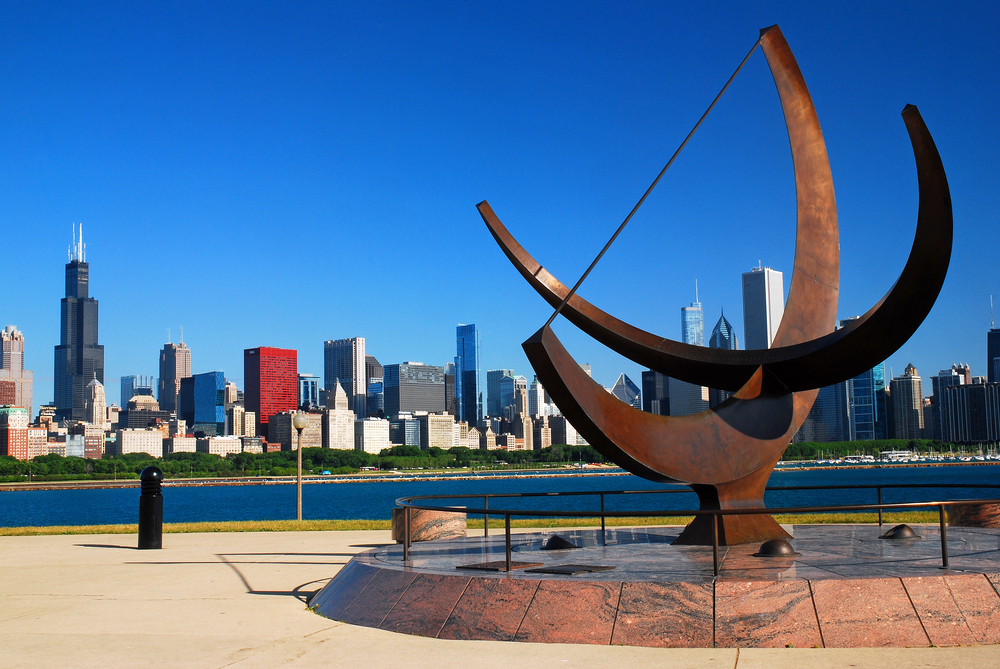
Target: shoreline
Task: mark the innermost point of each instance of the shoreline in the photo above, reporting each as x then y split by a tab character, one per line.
368	477
392	477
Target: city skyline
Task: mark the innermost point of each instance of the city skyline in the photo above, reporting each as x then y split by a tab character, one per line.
321	149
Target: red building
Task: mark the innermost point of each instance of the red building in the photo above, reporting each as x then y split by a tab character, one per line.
271	379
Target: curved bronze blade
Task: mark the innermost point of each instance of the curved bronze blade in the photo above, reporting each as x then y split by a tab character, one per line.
811	311
740	436
858	347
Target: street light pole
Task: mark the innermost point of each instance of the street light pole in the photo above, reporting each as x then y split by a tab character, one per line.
299	422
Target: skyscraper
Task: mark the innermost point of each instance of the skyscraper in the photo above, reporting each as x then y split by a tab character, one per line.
939	385
992	354
908	405
493	406
135	385
175	364
271	378
693	322
655	397
209	404
973	413
96	403
308	391
829	417
510	386
12	371
467	384
866	396
78	357
763	306
344	359
625	390
413	386
724	337
376	393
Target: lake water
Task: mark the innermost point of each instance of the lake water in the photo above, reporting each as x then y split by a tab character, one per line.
373	500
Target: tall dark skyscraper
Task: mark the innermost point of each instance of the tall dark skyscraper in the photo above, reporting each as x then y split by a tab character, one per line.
79	359
344	360
175	364
468	389
992	355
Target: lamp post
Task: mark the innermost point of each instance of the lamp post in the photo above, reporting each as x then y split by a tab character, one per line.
299	422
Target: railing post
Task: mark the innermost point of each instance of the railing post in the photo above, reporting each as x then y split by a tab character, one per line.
944	537
604	535
715	544
486	517
406	533
880	506
506	522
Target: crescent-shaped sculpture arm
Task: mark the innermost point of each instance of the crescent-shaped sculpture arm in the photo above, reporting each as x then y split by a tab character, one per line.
843	354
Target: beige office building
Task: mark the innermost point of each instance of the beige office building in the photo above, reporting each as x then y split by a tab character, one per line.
436	430
371	435
908	404
149	441
280	431
180	445
13	376
221	446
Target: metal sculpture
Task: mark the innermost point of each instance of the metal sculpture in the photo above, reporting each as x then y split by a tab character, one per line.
727	454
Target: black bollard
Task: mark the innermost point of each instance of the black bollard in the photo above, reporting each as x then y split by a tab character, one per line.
150	509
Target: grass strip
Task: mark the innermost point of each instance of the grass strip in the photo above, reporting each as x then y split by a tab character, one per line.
911	517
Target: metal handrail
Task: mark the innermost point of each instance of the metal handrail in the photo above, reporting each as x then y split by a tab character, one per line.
408	503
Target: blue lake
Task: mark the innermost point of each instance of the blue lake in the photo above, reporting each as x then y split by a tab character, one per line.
375	499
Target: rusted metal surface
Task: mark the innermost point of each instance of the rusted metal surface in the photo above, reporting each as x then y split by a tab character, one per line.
727	454
820	359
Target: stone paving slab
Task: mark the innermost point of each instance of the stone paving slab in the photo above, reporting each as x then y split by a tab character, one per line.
237	600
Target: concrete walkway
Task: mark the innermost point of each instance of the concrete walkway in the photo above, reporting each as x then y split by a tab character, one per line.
238	600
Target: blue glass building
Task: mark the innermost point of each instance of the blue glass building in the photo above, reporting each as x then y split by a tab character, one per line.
693	323
467	383
209	403
866	393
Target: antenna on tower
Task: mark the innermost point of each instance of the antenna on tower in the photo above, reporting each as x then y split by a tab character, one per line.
696	290
168	336
80	249
992	327
182	334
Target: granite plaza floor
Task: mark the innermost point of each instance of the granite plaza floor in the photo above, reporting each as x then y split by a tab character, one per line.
239	600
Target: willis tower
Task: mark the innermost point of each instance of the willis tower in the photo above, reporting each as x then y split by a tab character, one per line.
79	358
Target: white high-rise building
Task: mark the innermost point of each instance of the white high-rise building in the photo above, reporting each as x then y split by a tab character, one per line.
338	421
95	409
763	306
536	399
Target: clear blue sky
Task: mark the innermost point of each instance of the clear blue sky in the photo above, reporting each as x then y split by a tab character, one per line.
283	173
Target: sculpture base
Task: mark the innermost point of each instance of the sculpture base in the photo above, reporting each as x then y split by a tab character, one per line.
845	587
733	531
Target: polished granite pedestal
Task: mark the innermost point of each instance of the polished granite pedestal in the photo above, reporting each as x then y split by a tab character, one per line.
847	588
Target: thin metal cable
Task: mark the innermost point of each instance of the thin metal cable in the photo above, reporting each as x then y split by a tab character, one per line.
650	189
